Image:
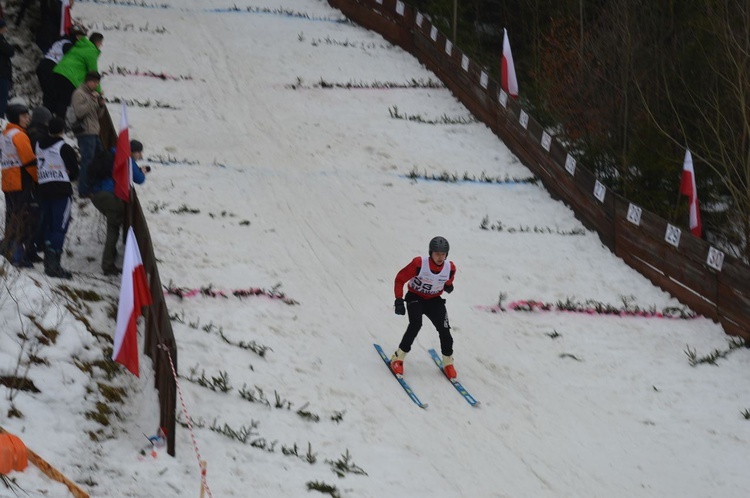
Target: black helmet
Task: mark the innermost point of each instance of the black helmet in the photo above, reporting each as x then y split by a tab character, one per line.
439	244
14	111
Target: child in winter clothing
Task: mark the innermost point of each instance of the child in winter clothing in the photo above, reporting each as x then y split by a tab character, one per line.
18	183
57	166
426	279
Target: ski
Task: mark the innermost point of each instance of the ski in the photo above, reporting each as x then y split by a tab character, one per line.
468	397
400	378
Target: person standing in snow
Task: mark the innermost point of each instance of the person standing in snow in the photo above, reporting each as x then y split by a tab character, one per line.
37	129
71	71
47	64
113	208
88	107
426	279
57	165
19	180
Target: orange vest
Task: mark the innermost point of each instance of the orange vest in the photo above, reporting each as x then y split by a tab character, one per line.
15	154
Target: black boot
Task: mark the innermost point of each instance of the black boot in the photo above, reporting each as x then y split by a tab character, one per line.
52	266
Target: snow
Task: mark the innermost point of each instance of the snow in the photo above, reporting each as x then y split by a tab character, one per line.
307	188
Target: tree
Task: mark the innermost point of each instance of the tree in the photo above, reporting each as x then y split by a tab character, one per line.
709	103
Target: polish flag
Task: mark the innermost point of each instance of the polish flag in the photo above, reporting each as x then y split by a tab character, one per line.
687	187
508	70
66	21
121	171
134	294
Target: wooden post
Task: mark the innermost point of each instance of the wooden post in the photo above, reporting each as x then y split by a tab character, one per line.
203	478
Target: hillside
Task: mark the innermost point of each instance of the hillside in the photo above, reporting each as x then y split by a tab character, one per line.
278	164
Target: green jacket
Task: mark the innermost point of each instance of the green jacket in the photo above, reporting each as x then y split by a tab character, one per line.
79	60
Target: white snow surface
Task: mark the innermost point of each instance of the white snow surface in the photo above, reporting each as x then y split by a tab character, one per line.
308	188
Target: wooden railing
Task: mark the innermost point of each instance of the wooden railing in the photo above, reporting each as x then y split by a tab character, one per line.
700	276
158	327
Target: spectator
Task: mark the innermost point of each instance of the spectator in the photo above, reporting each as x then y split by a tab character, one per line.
37	129
113	208
54	17
88	107
19	177
6	67
136	154
72	69
57	166
47	64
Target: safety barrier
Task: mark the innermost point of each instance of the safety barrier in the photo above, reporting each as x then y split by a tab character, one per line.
158	327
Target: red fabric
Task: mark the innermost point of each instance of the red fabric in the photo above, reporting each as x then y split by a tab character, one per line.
504	74
128	354
688	188
508	79
121	170
66	21
686	184
141	291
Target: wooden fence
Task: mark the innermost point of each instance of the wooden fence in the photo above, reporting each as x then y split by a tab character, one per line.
158	327
700	276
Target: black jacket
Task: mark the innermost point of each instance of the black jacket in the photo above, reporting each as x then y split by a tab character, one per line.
6	52
54	190
36	131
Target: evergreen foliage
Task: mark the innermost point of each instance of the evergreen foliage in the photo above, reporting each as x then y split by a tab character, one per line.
627	85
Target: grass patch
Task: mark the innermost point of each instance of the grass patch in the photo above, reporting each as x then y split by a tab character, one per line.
18	383
324	488
107	366
101	415
111	393
49	335
81	294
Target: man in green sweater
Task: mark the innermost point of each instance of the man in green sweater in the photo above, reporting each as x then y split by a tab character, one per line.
70	72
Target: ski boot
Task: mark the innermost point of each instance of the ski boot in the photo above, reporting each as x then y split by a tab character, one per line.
448	368
397	362
52	266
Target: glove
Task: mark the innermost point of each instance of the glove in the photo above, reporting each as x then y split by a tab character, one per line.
399	307
448	289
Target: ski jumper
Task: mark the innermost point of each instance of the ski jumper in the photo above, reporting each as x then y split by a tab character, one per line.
426	282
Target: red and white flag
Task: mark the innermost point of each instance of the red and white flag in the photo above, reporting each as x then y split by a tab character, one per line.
508	70
687	187
66	21
121	172
134	294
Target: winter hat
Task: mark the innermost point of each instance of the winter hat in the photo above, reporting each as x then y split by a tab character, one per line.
56	125
14	111
41	116
93	76
136	146
2	23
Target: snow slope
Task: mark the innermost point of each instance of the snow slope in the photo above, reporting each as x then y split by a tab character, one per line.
307	187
